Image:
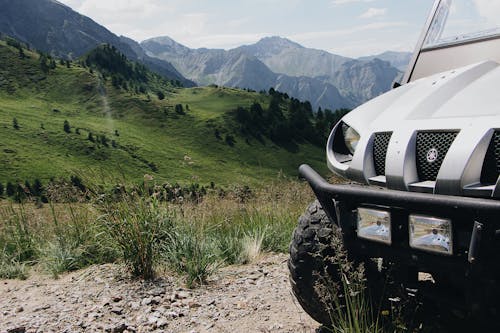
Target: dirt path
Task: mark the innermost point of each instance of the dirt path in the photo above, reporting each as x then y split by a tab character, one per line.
250	298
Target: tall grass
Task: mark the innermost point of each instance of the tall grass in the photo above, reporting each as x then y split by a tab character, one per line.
139	228
191	238
343	293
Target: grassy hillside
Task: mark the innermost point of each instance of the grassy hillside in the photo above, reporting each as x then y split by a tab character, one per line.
134	131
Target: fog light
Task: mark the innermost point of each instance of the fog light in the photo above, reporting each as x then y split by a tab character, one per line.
374	224
431	234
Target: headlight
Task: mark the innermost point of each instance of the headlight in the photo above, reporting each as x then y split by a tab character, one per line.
351	138
374	224
431	234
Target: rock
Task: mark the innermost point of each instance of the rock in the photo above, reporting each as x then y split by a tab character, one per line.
172	314
19	309
135	305
161	323
146	301
119	328
118	311
156	300
20	329
116	299
157	292
177	305
182	295
193	305
152	319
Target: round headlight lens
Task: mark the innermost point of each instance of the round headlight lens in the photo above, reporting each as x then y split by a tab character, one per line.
351	138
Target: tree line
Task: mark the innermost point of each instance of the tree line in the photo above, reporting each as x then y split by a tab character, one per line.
287	119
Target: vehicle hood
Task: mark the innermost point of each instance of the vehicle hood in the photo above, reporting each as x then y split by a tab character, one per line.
467	96
463	103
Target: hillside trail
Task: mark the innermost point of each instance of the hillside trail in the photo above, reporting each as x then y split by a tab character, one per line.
249	298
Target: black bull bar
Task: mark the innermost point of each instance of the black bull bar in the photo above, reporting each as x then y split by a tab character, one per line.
475	222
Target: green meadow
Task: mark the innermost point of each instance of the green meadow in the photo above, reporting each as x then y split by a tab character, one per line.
142	133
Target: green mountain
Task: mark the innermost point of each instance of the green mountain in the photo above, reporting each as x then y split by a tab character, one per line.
107	117
56	29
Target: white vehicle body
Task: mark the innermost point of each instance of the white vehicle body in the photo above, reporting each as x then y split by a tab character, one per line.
445	117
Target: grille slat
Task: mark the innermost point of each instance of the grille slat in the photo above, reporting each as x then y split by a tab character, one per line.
432	148
491	164
380	145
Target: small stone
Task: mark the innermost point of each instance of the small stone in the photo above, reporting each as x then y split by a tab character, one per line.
120	328
176	305
20	329
135	305
161	323
193	305
157	292
118	311
172	314
147	301
182	295
117	299
152	319
156	300
19	309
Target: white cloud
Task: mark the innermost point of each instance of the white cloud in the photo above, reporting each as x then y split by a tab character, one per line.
373	12
346	32
346	2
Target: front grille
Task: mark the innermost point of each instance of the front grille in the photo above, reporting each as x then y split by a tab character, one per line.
380	144
491	164
432	148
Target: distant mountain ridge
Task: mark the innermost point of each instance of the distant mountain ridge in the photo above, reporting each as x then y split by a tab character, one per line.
399	60
54	28
325	79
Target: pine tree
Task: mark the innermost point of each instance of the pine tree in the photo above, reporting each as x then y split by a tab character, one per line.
67	127
15	124
11	189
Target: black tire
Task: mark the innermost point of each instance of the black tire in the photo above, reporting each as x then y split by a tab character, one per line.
311	244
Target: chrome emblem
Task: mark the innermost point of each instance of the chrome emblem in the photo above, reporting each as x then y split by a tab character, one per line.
432	155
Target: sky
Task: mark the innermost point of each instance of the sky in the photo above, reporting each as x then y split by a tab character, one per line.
350	28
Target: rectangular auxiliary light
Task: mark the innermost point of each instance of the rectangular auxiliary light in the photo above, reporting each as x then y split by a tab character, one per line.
431	234
374	224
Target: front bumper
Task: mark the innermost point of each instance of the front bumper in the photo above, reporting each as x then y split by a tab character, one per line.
476	225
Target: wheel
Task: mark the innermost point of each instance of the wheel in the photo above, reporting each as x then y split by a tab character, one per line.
310	246
315	241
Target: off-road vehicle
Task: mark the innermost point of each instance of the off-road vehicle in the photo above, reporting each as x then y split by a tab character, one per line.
424	161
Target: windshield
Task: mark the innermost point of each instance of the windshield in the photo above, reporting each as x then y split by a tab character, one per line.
458	21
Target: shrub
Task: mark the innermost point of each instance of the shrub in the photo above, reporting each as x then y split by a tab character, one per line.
179	109
346	301
67	127
139	229
11	268
189	252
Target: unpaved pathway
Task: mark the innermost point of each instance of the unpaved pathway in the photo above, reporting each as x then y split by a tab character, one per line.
250	298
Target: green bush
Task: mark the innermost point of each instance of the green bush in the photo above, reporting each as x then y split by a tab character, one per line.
139	228
191	253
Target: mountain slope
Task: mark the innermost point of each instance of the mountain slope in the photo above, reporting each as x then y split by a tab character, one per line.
54	28
119	126
238	68
325	79
283	56
400	60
